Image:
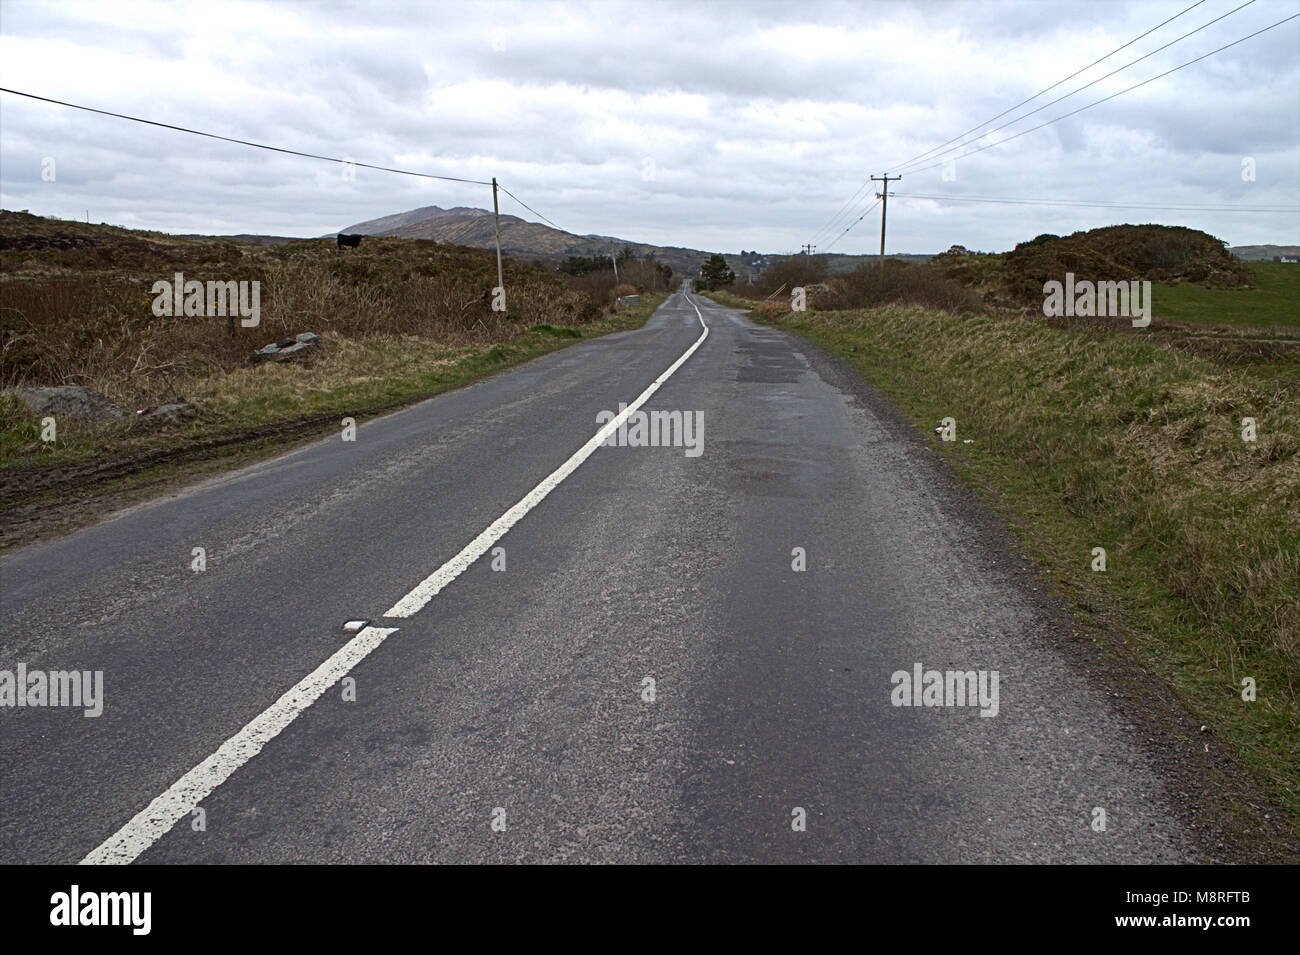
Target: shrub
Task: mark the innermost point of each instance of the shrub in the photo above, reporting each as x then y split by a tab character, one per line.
898	282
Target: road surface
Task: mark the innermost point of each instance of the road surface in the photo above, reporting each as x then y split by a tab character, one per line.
508	716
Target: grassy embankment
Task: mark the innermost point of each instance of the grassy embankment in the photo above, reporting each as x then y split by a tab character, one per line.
1089	437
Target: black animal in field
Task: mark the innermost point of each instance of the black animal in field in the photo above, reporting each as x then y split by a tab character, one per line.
351	241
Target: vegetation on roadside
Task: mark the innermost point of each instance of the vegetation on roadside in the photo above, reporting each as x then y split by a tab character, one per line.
598	278
1181	263
1121	253
868	285
82	314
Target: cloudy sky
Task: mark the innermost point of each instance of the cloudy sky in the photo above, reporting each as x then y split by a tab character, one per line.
712	125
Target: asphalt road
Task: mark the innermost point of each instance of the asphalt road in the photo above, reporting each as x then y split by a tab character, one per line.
524	689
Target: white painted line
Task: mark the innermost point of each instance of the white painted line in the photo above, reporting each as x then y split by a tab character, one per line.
428	588
154	821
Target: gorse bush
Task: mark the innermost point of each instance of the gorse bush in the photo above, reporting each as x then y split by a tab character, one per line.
1155	253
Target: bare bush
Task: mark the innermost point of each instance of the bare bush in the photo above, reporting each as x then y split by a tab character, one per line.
870	286
793	272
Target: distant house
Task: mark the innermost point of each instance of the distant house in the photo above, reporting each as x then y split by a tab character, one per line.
1288	259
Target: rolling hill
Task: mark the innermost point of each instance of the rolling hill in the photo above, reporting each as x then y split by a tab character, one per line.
519	238
1265	253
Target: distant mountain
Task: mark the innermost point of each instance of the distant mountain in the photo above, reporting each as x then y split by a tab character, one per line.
519	238
1265	253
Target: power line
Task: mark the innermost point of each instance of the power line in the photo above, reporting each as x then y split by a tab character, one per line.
1112	95
1290	210
295	152
1121	69
835	218
855	222
279	149
1050	88
529	208
243	142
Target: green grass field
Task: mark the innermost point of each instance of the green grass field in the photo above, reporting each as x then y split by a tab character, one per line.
1274	304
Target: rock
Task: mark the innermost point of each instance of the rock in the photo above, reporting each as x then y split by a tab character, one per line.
288	349
173	412
71	402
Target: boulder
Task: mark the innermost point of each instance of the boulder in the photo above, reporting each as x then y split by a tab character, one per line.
288	349
71	402
173	412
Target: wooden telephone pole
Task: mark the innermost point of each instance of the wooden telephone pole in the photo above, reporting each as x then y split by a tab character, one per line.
883	195
496	221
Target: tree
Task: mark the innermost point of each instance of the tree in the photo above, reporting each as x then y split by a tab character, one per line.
714	274
581	264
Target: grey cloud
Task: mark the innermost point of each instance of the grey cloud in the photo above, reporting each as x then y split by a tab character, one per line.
759	125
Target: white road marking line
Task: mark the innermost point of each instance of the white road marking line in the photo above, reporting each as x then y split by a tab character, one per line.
156	819
428	588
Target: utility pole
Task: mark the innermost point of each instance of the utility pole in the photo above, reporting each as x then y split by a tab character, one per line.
614	258
884	208
809	249
496	218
